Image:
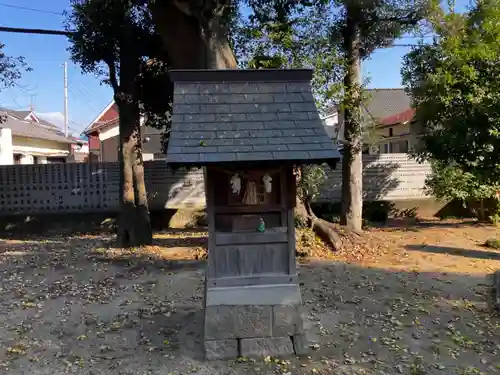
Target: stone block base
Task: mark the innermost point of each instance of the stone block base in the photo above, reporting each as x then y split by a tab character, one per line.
300	344
262	347
221	349
253	331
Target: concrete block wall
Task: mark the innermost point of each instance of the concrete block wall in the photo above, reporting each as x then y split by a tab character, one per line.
94	187
386	177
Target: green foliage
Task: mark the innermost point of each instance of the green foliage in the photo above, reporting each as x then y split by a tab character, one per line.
291	35
10	69
357	29
310	181
286	34
456	91
493	243
10	72
98	36
380	22
449	182
283	34
300	222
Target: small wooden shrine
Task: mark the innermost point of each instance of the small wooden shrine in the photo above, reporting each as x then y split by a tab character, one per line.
248	128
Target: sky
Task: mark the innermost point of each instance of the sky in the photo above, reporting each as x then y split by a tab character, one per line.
43	87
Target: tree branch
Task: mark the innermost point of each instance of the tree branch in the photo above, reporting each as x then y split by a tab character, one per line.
410	21
112	75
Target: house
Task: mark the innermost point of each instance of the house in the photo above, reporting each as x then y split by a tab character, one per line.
390	112
26	139
103	135
79	150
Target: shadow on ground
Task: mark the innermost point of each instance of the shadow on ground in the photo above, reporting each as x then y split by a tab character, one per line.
201	240
469	253
69	307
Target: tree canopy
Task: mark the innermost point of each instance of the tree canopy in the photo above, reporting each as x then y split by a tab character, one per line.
456	91
11	68
330	36
98	35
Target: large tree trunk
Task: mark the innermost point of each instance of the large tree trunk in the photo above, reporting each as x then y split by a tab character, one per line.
134	225
126	228
193	43
352	163
190	41
144	234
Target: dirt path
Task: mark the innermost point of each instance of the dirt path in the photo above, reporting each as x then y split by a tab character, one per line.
405	302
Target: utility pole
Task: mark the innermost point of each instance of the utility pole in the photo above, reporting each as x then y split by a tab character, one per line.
32	103
65	99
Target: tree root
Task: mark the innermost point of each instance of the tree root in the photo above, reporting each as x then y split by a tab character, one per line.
327	232
334	236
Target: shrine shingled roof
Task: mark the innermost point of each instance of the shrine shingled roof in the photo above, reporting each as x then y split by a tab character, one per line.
246	116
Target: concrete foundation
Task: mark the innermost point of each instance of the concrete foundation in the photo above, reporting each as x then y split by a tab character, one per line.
238	326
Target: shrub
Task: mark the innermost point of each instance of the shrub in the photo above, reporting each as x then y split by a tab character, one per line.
493	243
449	182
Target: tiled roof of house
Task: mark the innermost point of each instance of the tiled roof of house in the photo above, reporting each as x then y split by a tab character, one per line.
108	116
384	103
246	115
21	115
399	118
28	129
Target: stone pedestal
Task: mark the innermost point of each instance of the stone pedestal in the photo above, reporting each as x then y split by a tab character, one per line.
253	321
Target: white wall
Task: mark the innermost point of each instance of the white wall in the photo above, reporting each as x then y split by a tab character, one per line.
331	125
109	133
114	130
334	126
80	149
39	147
26	159
6	154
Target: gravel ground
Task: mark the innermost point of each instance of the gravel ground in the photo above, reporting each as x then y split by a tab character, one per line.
76	306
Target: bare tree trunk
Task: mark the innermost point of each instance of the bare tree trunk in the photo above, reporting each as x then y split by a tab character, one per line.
134	226
126	230
352	163
144	233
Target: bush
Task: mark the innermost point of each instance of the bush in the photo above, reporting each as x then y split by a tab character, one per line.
449	182
493	243
373	211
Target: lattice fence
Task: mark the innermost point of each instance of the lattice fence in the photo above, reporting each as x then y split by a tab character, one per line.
68	188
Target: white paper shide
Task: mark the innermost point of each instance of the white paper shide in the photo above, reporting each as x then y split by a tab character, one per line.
236	183
267	180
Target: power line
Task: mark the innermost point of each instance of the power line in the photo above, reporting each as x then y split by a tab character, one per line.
72	92
69	33
87	99
85	87
30	9
402	45
34	31
84	94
